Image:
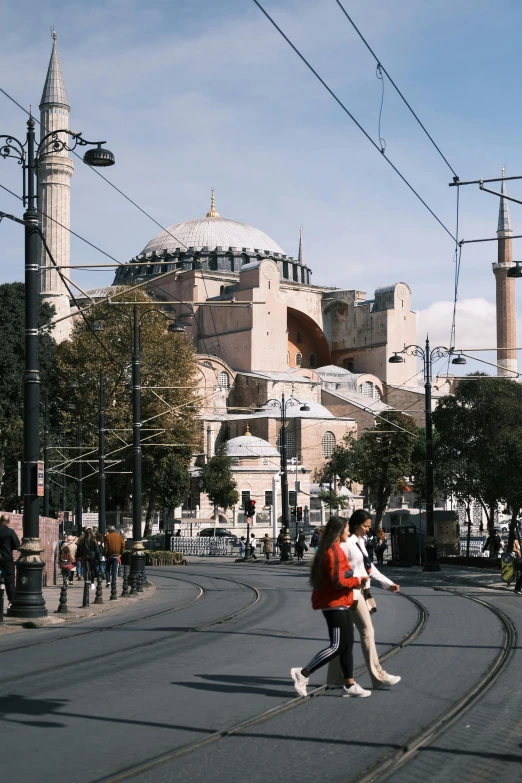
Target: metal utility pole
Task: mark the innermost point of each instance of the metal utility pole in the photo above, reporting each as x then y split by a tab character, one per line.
137	556
101	457
79	500
46	457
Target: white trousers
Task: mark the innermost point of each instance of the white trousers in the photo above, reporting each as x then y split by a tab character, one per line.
363	622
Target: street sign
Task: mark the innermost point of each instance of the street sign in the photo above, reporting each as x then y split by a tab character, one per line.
40	484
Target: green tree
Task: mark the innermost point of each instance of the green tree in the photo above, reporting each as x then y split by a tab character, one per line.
169	403
380	459
480	440
12	353
218	480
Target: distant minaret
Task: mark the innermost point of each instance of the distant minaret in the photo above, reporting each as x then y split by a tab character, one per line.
54	196
300	256
506	308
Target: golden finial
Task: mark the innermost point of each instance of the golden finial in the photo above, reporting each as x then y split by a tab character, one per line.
212	212
247	431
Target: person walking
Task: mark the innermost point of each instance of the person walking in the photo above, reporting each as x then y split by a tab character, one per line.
242	547
493	544
314	541
100	563
114	546
66	562
364	605
267	546
300	544
88	553
333	586
253	545
281	540
369	543
9	542
71	545
381	545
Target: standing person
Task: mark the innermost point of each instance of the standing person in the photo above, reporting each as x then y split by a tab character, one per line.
314	541
333	584
71	545
9	542
242	547
253	545
280	540
66	562
493	545
369	543
355	550
300	544
100	563
267	546
88	553
114	546
381	545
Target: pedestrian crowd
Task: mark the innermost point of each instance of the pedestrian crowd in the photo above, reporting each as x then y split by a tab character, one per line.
91	555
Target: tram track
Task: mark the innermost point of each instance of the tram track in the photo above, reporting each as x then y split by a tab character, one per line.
383	769
168	637
133	771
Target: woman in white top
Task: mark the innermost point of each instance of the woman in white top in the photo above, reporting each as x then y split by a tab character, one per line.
360	523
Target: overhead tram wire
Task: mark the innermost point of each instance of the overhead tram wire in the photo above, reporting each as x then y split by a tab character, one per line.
383	69
351	116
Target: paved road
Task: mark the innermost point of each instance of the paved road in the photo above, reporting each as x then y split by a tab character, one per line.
89	702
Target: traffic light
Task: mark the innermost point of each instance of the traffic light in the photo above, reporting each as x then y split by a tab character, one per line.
250	508
299	513
292	511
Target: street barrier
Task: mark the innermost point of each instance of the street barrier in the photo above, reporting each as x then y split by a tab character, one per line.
201	546
475	545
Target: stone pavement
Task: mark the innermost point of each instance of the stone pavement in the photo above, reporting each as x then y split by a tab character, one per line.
74	604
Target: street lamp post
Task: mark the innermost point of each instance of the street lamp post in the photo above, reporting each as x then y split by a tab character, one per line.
29	600
79	498
427	355
101	457
46	457
285	505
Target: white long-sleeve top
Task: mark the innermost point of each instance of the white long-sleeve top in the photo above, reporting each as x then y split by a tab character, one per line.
356	560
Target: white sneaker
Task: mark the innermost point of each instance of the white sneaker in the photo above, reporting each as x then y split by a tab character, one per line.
300	682
390	679
356	690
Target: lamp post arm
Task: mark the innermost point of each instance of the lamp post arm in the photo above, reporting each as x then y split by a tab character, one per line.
51	142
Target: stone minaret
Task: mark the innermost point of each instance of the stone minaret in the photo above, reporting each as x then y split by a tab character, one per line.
54	196
506	308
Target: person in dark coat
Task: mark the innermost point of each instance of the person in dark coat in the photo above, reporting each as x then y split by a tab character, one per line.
9	542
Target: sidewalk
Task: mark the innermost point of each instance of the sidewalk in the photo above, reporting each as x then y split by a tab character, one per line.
448	576
74	604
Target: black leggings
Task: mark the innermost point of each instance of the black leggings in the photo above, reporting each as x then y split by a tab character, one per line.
340	630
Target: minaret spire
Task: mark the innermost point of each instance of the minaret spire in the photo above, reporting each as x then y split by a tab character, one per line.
504	222
300	257
212	212
505	293
54	194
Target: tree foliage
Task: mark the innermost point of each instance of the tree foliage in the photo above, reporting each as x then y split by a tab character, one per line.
380	460
12	353
479	450
218	479
169	403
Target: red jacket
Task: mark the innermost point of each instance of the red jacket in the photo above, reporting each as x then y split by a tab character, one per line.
335	589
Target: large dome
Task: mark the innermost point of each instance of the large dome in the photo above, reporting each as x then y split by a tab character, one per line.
212	232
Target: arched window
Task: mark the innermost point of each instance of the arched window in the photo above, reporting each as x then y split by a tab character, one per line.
377	393
212	263
298	359
327	444
366	388
290	443
244	259
224	380
312	360
299	338
446	388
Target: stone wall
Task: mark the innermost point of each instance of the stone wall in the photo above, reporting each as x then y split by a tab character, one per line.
49	538
365	419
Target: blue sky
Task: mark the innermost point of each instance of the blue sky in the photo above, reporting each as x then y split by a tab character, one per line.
192	94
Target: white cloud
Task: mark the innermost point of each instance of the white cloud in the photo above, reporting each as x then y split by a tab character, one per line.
475	323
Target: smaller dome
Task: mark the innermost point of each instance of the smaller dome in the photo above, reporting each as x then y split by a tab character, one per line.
250	446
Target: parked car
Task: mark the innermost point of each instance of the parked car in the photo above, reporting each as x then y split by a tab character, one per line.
220	532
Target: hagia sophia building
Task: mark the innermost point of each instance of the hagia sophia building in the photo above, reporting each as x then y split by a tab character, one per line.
326	349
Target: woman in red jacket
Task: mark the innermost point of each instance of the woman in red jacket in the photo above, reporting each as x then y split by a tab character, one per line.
333	583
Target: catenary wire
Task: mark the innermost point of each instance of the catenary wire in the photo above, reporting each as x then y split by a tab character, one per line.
379	63
351	116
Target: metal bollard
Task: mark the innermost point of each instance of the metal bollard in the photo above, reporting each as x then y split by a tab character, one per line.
125	591
86	594
62	605
2	593
133	582
114	591
99	590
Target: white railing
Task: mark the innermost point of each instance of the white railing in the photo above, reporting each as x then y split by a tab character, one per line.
201	546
